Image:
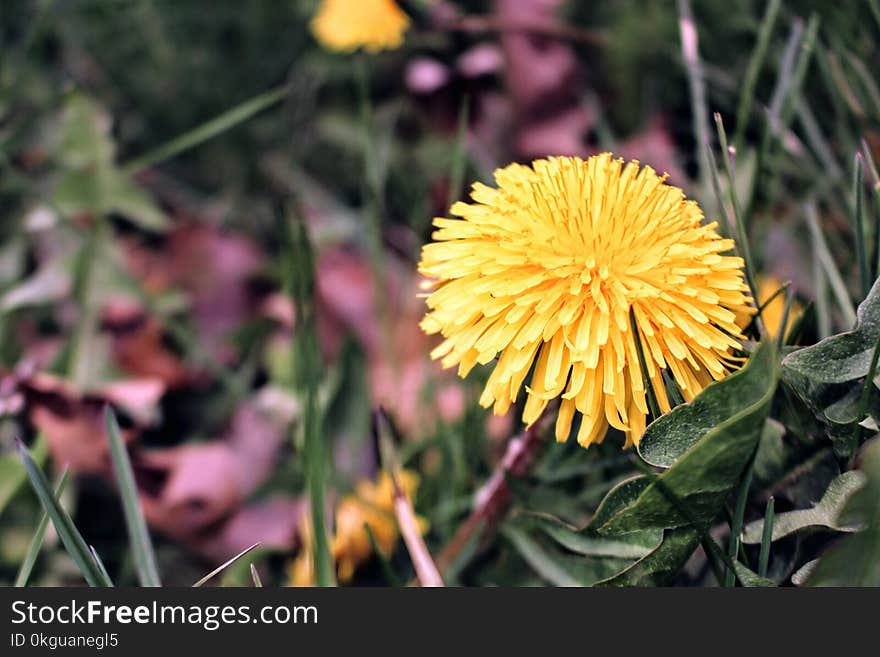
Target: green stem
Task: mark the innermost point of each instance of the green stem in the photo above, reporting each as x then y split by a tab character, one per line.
75	360
372	195
298	267
861	241
766	538
653	405
865	396
742	237
207	130
737	521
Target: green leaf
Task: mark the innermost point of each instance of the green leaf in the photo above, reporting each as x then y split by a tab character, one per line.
826	514
671	435
308	371
537	558
100	564
692	491
706	445
106	190
855	560
838	359
27	566
139	537
90	180
745	575
802	574
618	498
661	564
634	545
71	538
556	567
13	474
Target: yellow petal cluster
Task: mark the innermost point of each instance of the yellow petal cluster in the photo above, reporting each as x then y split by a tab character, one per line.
346	25
544	272
372	504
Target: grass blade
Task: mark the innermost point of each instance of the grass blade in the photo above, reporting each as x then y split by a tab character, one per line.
13	474
818	142
387	571
207	130
742	237
823	315
699	107
299	283
141	546
823	253
256	577
651	394
865	395
99	563
746	99
71	538
764	556
27	566
862	248
783	323
874	182
737	523
219	569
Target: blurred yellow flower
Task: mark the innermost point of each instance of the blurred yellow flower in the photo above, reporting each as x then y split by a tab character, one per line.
544	270
372	504
773	311
346	25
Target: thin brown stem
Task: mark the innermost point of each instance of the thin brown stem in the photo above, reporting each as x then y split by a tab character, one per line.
426	570
493	500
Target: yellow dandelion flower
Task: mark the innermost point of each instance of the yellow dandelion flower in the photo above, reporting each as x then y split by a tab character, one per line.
773	311
346	25
372	504
543	272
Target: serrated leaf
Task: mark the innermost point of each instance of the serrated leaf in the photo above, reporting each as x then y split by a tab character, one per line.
671	435
693	489
705	461
538	559
90	180
582	541
618	498
661	564
838	359
855	560
556	567
772	455
802	574
826	514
